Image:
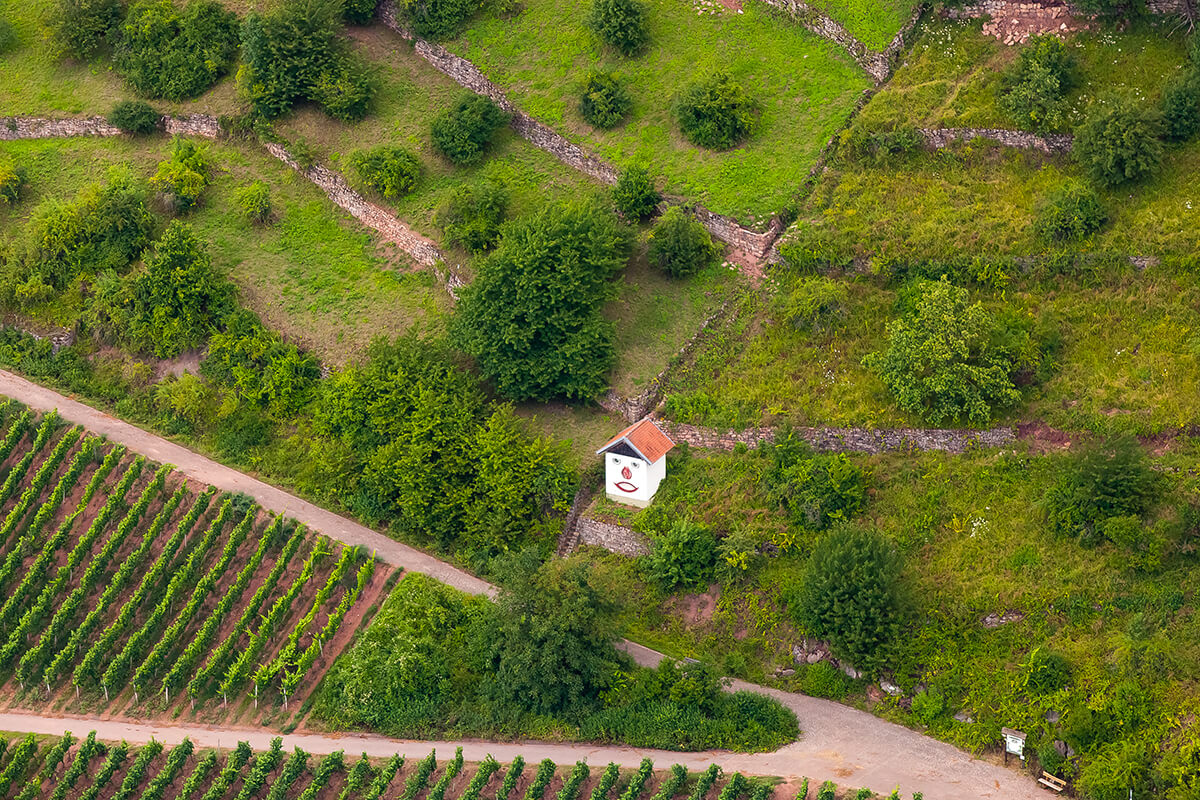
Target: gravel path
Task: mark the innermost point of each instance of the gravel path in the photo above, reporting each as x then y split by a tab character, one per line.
851	747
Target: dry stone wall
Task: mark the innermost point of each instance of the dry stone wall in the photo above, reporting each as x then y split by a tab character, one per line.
938	138
615	538
469	76
12	128
846	440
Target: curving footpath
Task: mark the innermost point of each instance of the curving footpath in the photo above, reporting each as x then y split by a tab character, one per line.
848	746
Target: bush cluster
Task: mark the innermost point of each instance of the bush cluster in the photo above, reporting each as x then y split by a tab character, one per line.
472	215
532	319
81	28
603	101
182	178
715	112
392	171
621	24
878	144
294	54
134	116
1070	212
815	490
684	556
462	133
1112	481
680	245
949	359
165	51
8	36
259	367
359	12
254	201
437	19
1119	142
635	194
12	178
1035	87
812	303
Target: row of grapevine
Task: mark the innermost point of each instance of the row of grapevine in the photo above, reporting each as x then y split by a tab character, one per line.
230	772
386	775
47	470
15	769
293	769
705	782
97	569
137	771
87	751
28	540
574	781
88	670
541	780
510	778
333	763
359	778
83	548
195	782
483	774
264	764
17	473
15	433
607	781
638	782
114	762
417	782
176	761
131	565
36	572
438	792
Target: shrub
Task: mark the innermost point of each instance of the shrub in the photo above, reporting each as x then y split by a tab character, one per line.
851	596
1111	479
359	12
680	246
828	791
12	178
1115	771
471	216
715	112
134	116
1045	671
682	557
1181	106
164	51
532	318
603	102
254	200
8	36
392	171
815	490
621	24
1071	211
635	195
1035	87
825	680
813	303
182	178
294	53
80	28
928	705
463	132
950	360
259	366
240	432
879	144
437	19
1119	142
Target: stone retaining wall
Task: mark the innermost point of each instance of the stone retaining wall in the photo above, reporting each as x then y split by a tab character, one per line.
846	440
616	538
193	125
469	76
12	128
994	8
876	64
938	138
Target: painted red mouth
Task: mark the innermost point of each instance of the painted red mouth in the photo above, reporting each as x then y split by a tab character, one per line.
626	486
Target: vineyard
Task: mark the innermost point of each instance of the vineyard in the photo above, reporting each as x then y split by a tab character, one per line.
59	768
124	586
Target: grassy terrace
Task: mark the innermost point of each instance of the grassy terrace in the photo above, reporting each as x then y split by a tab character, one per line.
873	22
1128	361
806	87
952	75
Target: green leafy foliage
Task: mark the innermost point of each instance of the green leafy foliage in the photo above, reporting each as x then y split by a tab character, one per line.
294	53
105	227
1119	142
851	595
603	100
815	490
134	116
1070	212
463	132
81	28
254	201
715	112
472	214
1113	479
8	36
259	366
437	19
635	194
812	303
621	24
12	179
392	171
1181	106
948	359
182	178
165	51
681	557
174	304
1035	87
680	246
359	12
532	318
1045	671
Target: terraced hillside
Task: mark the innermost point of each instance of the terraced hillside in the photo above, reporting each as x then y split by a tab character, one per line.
127	587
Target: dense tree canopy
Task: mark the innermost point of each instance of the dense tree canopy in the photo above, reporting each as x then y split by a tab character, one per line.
165	51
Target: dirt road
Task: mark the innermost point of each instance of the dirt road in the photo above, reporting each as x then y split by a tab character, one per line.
851	747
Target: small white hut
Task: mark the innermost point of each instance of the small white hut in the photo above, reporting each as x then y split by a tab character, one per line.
635	462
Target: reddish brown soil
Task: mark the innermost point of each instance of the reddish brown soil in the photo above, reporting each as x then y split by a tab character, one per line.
694	609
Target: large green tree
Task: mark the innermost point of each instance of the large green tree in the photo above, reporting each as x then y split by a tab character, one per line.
165	51
532	318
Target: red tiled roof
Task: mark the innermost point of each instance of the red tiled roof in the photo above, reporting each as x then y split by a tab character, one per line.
645	437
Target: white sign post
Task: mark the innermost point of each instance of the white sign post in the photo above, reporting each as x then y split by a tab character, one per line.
1014	742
